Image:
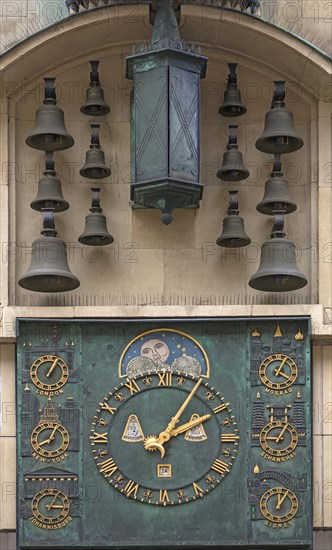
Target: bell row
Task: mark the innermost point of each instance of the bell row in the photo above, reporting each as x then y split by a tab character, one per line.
50	133
49	270
276	195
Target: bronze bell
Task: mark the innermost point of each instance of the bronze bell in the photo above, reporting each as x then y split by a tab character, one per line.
276	196
279	135
95	167
232	105
232	168
49	133
49	189
278	271
49	270
95	103
233	234
95	232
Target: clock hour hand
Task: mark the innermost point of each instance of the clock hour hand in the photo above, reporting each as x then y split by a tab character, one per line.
47	441
190	424
54	364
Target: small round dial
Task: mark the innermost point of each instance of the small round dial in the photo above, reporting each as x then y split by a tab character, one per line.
278	438
164	438
278	371
49	373
50	506
279	504
50	439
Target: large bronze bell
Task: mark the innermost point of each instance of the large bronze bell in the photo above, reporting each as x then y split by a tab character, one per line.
232	105
233	234
95	103
276	196
232	168
49	189
49	133
49	270
279	135
278	271
95	167
95	232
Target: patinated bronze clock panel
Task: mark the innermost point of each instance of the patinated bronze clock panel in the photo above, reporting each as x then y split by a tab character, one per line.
191	433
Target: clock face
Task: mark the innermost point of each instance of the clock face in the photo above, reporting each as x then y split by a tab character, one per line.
49	373
279	504
278	371
50	439
278	438
50	506
164	438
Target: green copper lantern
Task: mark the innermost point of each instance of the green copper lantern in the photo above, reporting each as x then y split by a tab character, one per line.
165	118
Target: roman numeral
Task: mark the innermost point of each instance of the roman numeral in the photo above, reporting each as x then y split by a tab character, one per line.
220	408
198	491
107	466
229	438
220	467
165	378
132	386
98	438
163	496
106	407
130	488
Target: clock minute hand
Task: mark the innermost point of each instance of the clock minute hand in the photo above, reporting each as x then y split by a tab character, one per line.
190	424
281	500
277	371
280	436
165	435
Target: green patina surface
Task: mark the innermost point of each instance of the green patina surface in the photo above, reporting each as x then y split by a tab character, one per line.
227	354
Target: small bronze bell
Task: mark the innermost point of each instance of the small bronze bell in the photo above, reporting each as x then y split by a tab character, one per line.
95	103
279	135
49	270
95	167
49	189
232	168
233	234
278	271
232	105
95	232
49	133
276	196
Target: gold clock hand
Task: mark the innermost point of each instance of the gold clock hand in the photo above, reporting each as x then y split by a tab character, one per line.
282	374
190	424
47	441
274	437
165	435
49	506
280	436
54	364
277	371
156	443
281	500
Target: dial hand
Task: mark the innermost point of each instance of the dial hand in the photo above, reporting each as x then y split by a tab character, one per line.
54	364
49	506
275	438
281	500
188	425
156	443
49	439
281	433
165	436
277	371
282	374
